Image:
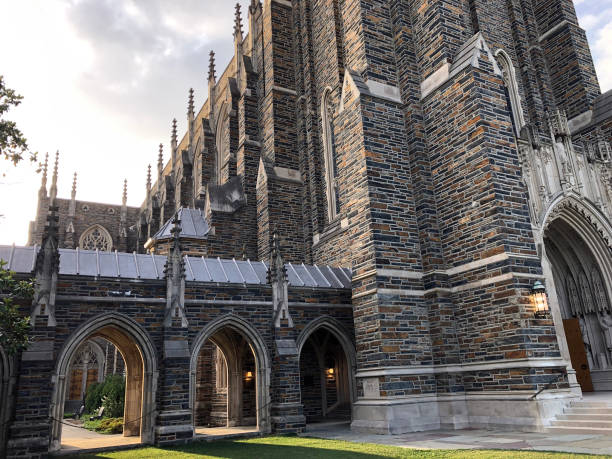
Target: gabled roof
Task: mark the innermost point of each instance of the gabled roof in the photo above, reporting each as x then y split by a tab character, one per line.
193	225
197	269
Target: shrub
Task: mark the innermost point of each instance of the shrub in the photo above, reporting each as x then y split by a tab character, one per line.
113	399
93	397
110	394
111	426
105	426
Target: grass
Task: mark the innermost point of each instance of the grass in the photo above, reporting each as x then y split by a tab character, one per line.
290	447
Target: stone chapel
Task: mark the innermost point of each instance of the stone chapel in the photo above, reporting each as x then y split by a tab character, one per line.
351	228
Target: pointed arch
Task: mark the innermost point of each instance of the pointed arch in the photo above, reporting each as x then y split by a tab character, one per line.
123	332
329	154
594	229
514	96
96	237
262	362
339	332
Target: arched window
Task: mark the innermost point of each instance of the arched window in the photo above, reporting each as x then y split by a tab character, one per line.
222	142
512	91
329	153
220	369
96	237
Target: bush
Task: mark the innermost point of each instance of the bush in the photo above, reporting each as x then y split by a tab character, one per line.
105	426
111	425
110	394
113	399
93	397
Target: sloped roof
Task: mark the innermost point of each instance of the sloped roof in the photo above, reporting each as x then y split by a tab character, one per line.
193	225
148	266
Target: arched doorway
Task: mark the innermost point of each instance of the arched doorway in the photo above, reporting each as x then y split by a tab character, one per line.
584	298
140	363
327	362
229	379
95	360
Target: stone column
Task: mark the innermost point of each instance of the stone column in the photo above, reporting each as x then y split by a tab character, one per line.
29	433
175	418
287	410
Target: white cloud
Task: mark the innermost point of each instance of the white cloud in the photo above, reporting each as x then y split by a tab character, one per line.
102	79
602	49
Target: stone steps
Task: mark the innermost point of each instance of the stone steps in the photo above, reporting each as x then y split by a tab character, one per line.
583	417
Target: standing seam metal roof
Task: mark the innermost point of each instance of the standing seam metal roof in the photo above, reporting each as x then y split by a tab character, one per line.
193	225
198	269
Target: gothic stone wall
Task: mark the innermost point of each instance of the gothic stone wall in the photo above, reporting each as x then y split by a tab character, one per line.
80	299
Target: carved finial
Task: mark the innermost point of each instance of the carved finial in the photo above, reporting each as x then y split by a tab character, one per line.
190	104
149	178
45	167
74	186
176	230
211	67
238	22
124	200
49	243
53	190
174	137
160	159
254	5
277	271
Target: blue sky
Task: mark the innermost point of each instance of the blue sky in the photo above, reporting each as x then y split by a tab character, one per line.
595	16
102	80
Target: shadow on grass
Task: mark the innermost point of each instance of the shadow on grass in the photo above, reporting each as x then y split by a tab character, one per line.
243	450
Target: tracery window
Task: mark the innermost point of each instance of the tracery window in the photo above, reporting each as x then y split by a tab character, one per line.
222	142
512	91
96	238
220	369
330	156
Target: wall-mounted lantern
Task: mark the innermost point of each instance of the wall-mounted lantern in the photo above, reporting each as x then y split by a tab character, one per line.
330	372
540	300
248	376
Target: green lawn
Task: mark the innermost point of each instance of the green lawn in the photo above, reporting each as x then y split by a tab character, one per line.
307	448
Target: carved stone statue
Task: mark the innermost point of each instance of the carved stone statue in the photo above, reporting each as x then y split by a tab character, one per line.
605	321
587	344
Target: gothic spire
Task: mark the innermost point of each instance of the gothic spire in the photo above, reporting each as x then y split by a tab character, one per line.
190	110
45	167
74	186
238	22
53	190
148	179
211	67
160	164
124	200
174	137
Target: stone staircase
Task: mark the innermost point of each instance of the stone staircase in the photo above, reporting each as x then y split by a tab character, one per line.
584	417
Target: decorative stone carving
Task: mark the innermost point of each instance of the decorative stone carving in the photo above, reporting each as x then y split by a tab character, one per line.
587	344
96	238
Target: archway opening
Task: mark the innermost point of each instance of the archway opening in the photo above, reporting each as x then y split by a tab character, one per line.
584	301
94	362
80	364
325	378
226	384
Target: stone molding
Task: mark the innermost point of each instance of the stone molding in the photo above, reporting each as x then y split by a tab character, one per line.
462	368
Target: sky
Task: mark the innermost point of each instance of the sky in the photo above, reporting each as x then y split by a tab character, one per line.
102	80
